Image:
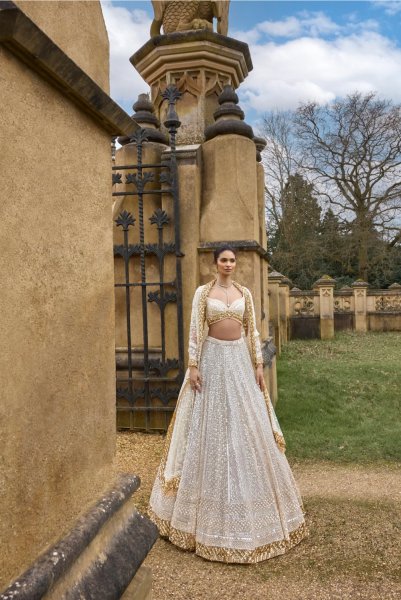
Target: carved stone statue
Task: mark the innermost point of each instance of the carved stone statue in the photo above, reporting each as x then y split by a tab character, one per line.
184	15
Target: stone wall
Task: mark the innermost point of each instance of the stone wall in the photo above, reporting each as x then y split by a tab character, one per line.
320	312
57	413
78	28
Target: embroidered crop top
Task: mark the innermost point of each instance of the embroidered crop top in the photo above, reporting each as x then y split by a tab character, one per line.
206	311
217	310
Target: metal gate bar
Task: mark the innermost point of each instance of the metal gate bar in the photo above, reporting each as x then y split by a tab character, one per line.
151	386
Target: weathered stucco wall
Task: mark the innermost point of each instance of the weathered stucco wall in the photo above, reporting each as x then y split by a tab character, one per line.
57	411
229	200
78	28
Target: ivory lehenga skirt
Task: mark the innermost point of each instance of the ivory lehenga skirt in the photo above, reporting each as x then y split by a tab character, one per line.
224	488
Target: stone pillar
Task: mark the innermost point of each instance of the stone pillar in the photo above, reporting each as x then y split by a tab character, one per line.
221	182
275	279
230	205
273	389
260	143
325	285
360	288
67	520
284	300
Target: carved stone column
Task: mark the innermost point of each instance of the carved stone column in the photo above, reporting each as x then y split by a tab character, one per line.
200	63
325	286
360	288
274	306
284	299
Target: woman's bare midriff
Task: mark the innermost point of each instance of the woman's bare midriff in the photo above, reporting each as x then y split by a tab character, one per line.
226	329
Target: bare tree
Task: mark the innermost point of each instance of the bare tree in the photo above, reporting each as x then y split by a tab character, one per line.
354	147
279	162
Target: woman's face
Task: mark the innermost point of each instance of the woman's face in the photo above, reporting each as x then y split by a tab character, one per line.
226	262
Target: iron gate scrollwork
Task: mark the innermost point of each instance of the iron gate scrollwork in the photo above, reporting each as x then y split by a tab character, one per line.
148	379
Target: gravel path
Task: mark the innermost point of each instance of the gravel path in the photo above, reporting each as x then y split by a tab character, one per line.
349	481
353	551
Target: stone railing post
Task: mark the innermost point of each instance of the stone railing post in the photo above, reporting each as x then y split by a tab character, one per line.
274	280
284	291
360	288
325	286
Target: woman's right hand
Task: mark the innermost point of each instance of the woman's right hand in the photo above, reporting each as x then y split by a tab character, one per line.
195	379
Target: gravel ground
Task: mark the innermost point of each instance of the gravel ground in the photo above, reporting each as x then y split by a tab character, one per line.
353	550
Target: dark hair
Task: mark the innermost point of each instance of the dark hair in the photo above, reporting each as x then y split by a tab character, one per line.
220	249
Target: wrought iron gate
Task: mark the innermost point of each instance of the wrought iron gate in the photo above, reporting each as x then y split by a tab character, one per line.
148	377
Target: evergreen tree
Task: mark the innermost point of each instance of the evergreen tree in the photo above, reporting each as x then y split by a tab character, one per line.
296	247
337	257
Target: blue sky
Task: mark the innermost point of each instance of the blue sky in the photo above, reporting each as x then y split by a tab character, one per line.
300	50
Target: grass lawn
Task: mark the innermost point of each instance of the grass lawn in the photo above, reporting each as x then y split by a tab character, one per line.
340	400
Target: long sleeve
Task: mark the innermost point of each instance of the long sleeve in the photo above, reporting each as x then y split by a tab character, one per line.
251	331
194	332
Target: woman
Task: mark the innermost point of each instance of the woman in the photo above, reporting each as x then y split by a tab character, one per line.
224	488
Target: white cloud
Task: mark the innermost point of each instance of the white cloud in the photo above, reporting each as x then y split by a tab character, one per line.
391	7
313	24
128	30
316	69
289	27
305	23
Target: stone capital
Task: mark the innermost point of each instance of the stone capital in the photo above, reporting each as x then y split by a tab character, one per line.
325	281
285	281
360	284
275	276
199	63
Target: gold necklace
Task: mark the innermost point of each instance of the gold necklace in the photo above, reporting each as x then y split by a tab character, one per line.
226	288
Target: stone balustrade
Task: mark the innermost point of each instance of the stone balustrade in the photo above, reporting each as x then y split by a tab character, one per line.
321	311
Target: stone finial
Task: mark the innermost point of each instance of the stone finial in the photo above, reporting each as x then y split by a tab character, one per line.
394	286
325	280
295	289
260	144
146	119
360	283
275	276
229	117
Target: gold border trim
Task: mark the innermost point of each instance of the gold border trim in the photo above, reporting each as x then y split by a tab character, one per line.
187	541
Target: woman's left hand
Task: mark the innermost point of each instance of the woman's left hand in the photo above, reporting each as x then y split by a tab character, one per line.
259	377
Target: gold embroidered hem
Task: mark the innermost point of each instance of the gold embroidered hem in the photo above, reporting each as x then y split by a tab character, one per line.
279	441
186	541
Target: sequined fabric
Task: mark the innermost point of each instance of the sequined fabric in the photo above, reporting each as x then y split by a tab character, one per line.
198	325
216	310
224	489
